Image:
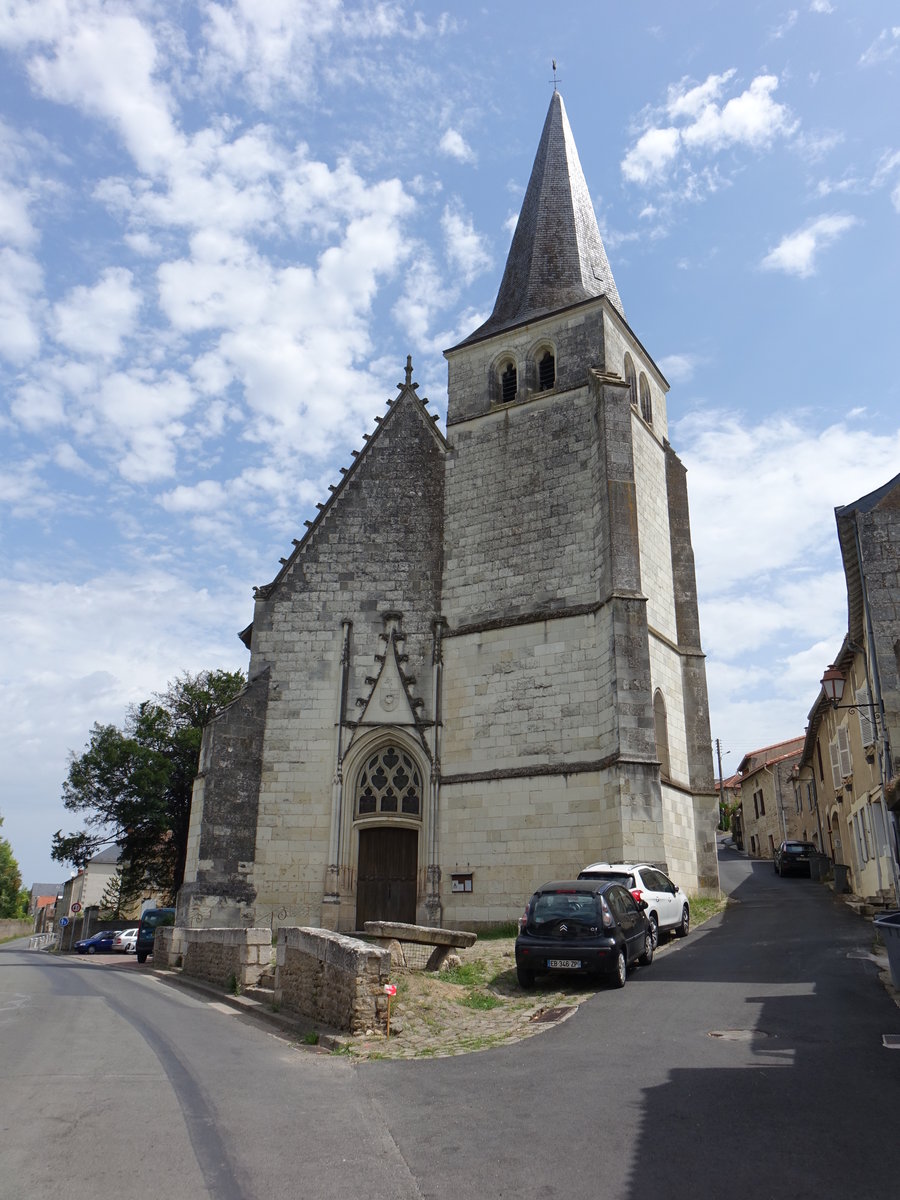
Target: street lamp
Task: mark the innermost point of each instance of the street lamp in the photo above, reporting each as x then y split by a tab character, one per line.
833	685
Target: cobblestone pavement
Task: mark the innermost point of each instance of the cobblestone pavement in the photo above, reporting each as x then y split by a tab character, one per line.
472	1007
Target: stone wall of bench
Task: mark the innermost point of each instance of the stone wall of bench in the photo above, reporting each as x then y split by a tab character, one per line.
226	957
332	979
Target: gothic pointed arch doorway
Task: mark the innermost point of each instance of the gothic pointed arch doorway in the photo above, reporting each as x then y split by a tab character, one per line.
388	809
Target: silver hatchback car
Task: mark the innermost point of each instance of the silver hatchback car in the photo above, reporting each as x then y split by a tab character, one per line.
668	908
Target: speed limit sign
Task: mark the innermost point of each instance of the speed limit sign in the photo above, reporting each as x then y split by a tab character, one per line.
76	907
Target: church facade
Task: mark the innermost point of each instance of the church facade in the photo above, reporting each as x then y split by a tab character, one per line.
480	668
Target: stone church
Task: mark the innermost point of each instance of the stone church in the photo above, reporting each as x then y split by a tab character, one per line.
480	667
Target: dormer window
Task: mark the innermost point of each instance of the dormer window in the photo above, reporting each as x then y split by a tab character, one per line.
509	383
546	372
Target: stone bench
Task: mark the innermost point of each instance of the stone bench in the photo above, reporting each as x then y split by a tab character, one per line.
392	935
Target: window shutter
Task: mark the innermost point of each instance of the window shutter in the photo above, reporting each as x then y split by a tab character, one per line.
836	777
844	748
866	729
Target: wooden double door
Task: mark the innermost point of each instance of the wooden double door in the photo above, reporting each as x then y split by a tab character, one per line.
386	875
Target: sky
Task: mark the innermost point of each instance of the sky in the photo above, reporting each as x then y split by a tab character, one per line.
224	225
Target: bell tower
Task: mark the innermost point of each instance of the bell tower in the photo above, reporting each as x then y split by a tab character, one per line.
575	715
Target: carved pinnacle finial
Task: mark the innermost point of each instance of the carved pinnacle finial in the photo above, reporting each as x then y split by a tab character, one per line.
408	369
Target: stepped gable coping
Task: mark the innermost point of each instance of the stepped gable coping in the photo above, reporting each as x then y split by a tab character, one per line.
405	391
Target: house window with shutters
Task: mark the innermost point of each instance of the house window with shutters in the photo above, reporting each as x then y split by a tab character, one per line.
864	711
841	759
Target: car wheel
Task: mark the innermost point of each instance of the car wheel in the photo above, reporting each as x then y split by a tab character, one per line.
92	949
525	978
647	957
654	930
684	927
141	956
619	971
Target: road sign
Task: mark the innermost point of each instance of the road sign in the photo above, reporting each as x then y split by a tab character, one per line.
63	922
76	907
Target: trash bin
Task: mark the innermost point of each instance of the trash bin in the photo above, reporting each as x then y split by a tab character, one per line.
841	878
888	927
819	866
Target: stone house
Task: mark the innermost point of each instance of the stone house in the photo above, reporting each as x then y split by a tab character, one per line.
767	798
851	755
481	666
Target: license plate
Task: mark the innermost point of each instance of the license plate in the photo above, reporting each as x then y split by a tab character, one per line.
563	964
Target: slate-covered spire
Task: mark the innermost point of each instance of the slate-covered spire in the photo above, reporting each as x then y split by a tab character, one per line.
557	256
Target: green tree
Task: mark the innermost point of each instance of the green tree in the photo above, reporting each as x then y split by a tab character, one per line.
119	894
11	890
134	785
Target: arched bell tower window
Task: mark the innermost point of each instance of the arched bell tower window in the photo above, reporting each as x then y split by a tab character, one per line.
646	403
661	727
631	380
546	372
509	383
390	782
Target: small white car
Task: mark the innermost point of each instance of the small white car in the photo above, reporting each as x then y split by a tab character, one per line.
126	941
668	908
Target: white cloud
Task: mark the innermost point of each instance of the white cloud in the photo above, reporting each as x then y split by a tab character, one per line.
455	146
21	283
883	48
790	20
821	6
651	155
96	320
465	247
679	368
796	253
698	121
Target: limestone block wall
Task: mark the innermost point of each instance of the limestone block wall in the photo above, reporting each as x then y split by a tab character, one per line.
332	979
665	673
514	834
219	956
529	694
879	538
655	543
576	341
680	838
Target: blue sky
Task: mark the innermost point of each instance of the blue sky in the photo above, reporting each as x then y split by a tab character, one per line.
223	226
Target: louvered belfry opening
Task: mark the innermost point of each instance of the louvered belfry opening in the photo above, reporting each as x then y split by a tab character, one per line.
546	372
509	384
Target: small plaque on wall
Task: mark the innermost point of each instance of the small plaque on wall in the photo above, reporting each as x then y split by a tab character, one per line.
461	883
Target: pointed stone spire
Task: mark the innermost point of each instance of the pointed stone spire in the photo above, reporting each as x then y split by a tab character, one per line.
557	256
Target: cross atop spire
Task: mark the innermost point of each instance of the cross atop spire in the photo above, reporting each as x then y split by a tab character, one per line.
557	257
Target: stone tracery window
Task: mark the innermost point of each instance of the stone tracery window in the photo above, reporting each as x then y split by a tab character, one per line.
509	383
546	371
390	782
631	380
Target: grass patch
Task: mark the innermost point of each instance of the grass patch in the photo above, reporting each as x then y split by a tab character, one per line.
311	1038
704	907
482	1001
507	930
469	974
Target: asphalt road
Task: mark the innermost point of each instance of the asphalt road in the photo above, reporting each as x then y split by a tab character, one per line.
746	1063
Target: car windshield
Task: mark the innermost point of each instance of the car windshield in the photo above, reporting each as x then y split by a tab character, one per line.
799	848
623	877
578	909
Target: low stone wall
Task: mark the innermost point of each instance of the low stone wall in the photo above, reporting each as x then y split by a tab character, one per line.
332	979
10	928
225	957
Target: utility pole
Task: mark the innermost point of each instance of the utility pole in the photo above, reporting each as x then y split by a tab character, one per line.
721	782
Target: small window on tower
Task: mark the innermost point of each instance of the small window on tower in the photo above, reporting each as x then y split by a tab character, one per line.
631	380
546	372
509	383
646	404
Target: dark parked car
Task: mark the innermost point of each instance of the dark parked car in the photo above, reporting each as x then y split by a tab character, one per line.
151	919
794	857
585	927
99	943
